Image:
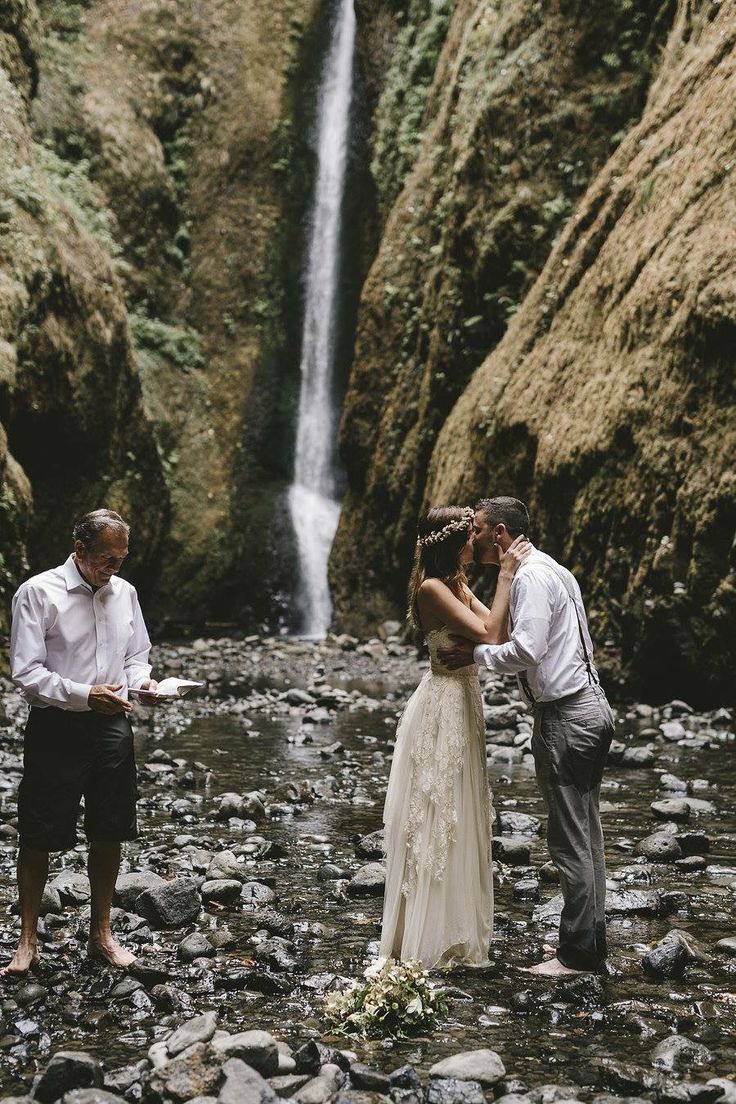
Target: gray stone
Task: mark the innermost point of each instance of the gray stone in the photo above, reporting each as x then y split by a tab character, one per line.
285	1085
370	846
199	1030
527	889
223	890
73	889
257	1049
194	946
308	1058
677	1052
659	847
29	994
129	887
225	866
90	1096
321	1088
68	1069
672	808
637	758
171	905
443	1090
257	893
727	946
633	902
197	1072
230	805
518	824
482	1065
511	852
667	960
368	882
50	901
728	1085
673	731
363	1077
672	783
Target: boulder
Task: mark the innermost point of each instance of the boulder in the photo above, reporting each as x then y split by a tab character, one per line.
257	1049
659	847
67	1070
484	1066
129	887
368	882
511	851
222	890
224	865
666	960
171	905
518	824
672	808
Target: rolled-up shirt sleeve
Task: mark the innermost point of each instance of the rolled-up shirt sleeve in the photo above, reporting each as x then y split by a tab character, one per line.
28	656
137	667
532	606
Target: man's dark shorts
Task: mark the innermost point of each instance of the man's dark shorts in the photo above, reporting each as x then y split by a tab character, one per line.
67	756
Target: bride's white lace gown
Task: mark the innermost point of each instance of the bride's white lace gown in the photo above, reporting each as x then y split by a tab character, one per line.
438	905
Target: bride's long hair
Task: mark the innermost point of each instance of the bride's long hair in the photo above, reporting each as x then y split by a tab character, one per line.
441	559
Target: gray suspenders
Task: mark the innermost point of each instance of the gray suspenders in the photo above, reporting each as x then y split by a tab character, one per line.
570	591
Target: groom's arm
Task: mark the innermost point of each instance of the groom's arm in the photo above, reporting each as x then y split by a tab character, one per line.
532	608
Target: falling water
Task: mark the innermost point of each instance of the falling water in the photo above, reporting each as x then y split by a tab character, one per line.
313	501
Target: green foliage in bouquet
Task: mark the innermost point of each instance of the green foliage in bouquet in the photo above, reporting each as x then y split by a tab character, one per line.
396	999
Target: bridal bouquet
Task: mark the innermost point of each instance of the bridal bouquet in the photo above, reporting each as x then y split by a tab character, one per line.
395	999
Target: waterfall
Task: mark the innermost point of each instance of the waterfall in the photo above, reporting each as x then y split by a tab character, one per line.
313	496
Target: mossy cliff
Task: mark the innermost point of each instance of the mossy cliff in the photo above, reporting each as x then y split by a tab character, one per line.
172	141
608	401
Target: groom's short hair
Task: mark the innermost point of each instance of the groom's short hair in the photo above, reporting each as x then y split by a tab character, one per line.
511	511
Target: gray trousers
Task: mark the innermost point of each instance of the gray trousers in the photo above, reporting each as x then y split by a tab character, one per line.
570	744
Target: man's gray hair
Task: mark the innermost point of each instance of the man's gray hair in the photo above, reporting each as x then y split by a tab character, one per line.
88	527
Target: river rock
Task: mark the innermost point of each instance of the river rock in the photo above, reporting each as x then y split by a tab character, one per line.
73	889
286	1084
449	1090
518	824
198	1030
194	946
257	1049
50	901
370	846
171	905
728	1087
129	887
224	866
90	1096
363	1077
368	882
633	902
672	808
527	889
637	758
196	1073
256	893
29	994
666	960
511	851
482	1065
659	847
672	783
223	890
68	1069
677	1052
693	842
323	1087
307	1058
727	946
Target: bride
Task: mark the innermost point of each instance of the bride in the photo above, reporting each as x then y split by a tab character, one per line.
438	904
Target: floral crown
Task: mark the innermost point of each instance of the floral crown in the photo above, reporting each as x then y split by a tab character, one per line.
447	530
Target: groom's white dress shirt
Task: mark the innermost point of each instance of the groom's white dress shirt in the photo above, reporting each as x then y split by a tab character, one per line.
544	634
67	638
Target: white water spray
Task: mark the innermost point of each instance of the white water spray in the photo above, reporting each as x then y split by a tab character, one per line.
313	502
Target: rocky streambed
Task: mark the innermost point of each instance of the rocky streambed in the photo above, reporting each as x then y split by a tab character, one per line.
255	889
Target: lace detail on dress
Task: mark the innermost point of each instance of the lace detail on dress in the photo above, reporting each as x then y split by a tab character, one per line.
437	758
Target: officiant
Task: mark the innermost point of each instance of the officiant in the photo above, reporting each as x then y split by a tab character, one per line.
78	645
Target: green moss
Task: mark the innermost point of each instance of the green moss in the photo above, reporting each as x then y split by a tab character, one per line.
180	345
71	183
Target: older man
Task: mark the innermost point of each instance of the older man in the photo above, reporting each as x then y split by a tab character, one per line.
78	644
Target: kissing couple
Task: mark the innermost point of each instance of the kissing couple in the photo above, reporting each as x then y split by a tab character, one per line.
438	904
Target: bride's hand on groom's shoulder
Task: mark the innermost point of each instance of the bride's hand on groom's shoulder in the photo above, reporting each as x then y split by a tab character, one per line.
514	556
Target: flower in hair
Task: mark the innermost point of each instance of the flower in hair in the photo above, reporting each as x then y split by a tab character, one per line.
463	523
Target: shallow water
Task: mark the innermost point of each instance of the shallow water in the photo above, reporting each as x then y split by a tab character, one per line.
547	1037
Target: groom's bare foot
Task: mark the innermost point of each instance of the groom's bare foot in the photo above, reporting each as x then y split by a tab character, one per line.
24	959
552	967
110	951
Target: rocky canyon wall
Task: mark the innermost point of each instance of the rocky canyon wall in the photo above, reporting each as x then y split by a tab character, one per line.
594	144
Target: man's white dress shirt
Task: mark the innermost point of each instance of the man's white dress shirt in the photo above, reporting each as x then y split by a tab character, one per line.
544	635
67	638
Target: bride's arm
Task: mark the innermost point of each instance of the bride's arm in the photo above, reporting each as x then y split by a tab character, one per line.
482	611
437	600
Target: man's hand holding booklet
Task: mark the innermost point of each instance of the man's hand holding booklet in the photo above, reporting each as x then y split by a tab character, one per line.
166	690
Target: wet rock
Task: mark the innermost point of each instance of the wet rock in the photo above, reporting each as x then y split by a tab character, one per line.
693	842
68	1069
277	953
129	887
659	847
198	1030
693	950
370	846
691	864
679	1053
632	902
332	873
257	1049
256	893
125	988
308	1059
223	890
672	808
673	731
482	1065
673	784
321	1088
549	874
518	824
451	1091
368	882
511	852
727	946
667	960
73	889
728	1085
688	1092
230	805
194	946
622	1078
638	758
225	867
275	923
196	1073
527	889
171	905
285	1085
296	696
90	1096
29	994
150	970
363	1077
50	901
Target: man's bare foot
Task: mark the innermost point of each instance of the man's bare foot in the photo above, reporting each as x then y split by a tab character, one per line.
24	959
552	967
110	951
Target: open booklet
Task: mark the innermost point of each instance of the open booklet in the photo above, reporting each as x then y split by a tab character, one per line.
167	688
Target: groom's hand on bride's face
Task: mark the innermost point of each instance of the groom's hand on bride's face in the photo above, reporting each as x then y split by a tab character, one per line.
459	655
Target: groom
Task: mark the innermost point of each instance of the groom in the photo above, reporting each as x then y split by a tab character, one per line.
550	652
